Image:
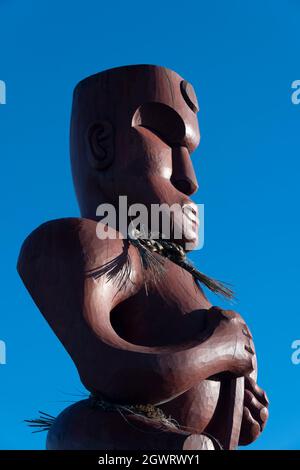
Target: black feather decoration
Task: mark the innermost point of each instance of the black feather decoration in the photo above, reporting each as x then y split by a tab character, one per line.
44	422
119	268
177	255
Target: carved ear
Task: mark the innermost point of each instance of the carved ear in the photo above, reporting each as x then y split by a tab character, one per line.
100	140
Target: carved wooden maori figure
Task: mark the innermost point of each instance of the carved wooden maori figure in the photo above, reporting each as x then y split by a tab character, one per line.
165	368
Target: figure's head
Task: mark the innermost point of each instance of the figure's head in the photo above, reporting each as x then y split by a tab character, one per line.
133	130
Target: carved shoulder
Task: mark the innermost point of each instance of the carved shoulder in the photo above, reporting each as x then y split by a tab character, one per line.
53	264
51	245
56	257
64	243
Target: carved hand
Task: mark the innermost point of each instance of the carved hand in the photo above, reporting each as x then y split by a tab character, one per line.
233	330
255	413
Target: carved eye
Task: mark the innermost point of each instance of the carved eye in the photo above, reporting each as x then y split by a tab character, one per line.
162	120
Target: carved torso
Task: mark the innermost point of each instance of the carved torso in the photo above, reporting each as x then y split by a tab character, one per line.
60	254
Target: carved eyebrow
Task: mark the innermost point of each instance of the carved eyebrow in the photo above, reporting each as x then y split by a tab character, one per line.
189	95
161	119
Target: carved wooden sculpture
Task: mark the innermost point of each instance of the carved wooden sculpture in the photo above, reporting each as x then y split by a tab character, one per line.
165	369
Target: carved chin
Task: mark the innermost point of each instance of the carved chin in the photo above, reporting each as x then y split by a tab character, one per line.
190	237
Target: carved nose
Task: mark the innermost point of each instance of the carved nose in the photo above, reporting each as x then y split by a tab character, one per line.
183	175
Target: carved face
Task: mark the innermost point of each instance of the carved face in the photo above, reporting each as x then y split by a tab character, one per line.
142	149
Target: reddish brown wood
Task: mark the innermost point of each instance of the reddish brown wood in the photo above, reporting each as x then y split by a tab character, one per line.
133	130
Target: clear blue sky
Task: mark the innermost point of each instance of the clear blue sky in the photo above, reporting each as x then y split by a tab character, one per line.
241	58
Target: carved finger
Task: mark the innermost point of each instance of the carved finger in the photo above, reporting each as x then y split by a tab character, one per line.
258	411
250	428
249	349
246	332
260	394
